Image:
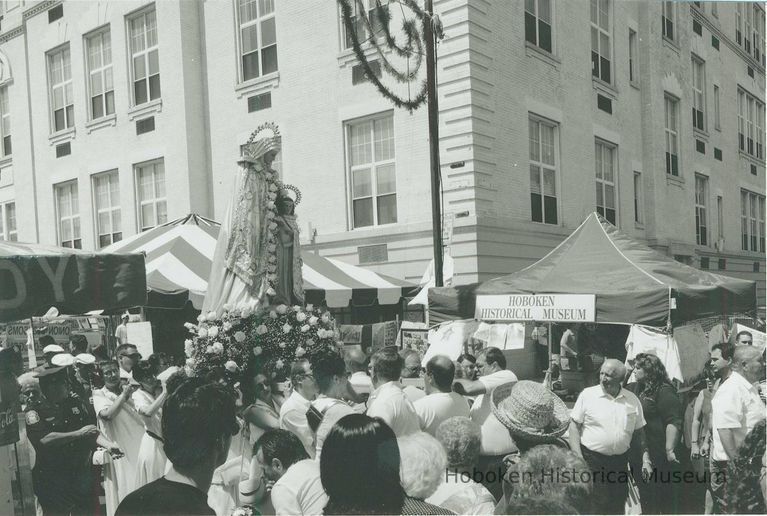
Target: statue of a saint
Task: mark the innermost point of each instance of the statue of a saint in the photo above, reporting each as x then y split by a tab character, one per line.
257	253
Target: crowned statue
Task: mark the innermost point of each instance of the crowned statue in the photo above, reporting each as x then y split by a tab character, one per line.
257	262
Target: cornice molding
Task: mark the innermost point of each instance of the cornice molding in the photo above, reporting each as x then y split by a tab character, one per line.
39	8
14	32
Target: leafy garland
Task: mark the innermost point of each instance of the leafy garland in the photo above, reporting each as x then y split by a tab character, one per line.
238	340
413	47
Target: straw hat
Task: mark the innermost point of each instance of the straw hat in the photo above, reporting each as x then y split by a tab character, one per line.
530	411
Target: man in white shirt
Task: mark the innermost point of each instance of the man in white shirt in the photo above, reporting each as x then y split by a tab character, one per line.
496	440
293	411
440	402
121	332
330	374
359	381
127	356
297	488
735	409
120	423
605	420
411	370
388	401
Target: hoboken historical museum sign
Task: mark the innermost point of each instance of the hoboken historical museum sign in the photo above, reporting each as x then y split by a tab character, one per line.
536	307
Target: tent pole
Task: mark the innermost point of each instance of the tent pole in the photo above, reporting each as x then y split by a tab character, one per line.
548	365
34	354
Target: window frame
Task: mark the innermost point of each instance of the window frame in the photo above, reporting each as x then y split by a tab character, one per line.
701	193
699	94
68	110
6	234
671	132
542	167
102	71
6	145
260	47
668	8
74	243
155	200
602	184
719	218
633	57
532	19
750	124
372	167
600	33
638	198
144	55
717	112
752	221
110	210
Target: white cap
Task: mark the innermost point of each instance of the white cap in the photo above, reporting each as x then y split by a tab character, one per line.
53	348
85	358
63	360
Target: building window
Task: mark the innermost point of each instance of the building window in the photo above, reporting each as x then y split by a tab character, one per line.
758	37
600	39
5	123
739	23
538	23
701	220
543	171
668	20
750	125
719	219
375	14
638	191
716	108
8	222
605	182
747	24
714	10
68	211
106	190
698	94
672	135
372	172
60	77
100	84
258	38
152	203
752	221
145	57
633	57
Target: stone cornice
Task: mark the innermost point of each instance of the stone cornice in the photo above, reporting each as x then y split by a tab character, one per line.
9	35
39	8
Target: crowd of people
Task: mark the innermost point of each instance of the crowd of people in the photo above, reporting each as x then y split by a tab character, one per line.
347	433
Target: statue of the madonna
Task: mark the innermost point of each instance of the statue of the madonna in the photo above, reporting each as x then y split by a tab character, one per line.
258	259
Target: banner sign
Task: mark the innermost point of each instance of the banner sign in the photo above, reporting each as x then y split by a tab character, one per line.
536	307
75	284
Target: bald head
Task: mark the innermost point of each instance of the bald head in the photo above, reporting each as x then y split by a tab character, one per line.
441	372
356	360
749	362
611	376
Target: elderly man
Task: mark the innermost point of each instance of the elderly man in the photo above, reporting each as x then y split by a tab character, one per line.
735	410
440	402
293	411
388	401
411	370
605	420
496	441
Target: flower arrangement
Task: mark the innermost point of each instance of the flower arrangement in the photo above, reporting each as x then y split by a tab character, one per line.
237	339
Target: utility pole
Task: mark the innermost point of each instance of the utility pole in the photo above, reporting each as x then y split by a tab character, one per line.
431	95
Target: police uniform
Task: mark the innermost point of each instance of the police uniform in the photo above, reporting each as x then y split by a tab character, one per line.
62	477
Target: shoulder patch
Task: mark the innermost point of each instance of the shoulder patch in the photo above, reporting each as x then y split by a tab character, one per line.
32	417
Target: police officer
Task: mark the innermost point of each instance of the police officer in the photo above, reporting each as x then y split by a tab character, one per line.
58	428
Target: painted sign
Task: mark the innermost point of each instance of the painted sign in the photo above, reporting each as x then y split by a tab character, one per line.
536	307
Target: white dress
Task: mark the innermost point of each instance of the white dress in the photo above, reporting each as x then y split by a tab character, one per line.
151	457
124	428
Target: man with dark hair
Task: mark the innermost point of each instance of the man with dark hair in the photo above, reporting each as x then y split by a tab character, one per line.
333	383
744	338
127	356
440	402
468	363
293	411
77	344
387	400
199	420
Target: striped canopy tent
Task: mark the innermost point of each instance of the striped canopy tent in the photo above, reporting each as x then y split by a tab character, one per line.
179	255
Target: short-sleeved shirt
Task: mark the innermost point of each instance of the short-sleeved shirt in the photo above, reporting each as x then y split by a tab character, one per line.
736	406
332	410
436	407
121	334
165	497
608	422
299	490
293	419
390	404
496	439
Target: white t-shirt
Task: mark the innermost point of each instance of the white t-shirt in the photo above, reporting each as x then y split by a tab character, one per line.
436	407
496	439
334	410
413	393
293	419
736	406
608	423
299	490
390	404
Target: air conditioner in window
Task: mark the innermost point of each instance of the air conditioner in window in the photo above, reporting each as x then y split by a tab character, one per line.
719	245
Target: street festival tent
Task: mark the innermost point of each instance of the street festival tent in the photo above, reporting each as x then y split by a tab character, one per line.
179	255
632	283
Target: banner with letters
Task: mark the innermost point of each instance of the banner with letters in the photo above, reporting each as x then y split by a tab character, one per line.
536	307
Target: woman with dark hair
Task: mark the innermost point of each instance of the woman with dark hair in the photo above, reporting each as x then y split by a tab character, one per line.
360	466
151	457
745	475
660	494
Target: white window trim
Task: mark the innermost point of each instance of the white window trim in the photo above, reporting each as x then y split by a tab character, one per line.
49	56
144	53
140	227
373	166
5	115
633	57
674	27
238	37
752	215
602	144
699	90
671	132
719	218
5	233
557	180
537	26
69	218
98	33
701	210
608	33
114	206
750	124
342	26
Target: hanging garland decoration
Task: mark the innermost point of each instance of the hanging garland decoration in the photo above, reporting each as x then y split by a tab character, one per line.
413	47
